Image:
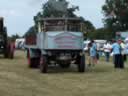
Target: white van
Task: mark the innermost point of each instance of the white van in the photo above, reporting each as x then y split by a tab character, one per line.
19	43
99	43
86	45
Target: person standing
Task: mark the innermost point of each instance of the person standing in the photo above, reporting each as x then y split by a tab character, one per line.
124	50
94	48
118	60
98	51
92	54
107	50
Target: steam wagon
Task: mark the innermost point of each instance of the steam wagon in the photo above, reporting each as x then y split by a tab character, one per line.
58	41
6	47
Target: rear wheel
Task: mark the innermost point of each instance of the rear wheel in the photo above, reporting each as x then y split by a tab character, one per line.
81	65
32	62
11	53
43	64
5	53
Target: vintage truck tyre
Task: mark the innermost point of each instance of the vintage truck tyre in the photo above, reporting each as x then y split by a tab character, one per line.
11	52
43	64
11	55
32	62
81	65
12	48
64	65
6	53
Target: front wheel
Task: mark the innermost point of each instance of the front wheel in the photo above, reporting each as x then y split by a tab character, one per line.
81	65
43	64
6	51
10	51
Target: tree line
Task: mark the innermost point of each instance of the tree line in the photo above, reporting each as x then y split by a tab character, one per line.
115	17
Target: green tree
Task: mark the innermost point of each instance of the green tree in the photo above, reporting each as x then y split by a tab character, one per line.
101	33
88	28
59	8
116	15
31	31
52	8
13	37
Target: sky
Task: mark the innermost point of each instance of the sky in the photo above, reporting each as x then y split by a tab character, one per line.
18	14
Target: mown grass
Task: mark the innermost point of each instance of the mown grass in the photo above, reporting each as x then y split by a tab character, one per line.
16	79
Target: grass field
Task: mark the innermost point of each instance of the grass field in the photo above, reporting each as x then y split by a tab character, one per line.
16	79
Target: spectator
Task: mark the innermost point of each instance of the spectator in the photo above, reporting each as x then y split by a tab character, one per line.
118	60
98	51
123	51
94	48
126	48
92	54
107	50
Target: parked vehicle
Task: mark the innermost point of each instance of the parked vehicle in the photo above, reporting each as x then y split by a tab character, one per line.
85	44
6	47
99	43
19	43
58	41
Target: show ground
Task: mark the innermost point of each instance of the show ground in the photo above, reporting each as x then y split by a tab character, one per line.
16	79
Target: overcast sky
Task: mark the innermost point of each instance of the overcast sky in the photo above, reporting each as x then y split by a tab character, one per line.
19	14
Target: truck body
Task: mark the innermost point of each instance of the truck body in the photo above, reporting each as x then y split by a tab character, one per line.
58	41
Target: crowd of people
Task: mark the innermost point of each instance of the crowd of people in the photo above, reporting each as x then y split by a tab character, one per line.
116	48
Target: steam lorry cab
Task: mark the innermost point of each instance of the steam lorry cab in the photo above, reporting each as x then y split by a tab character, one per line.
58	41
